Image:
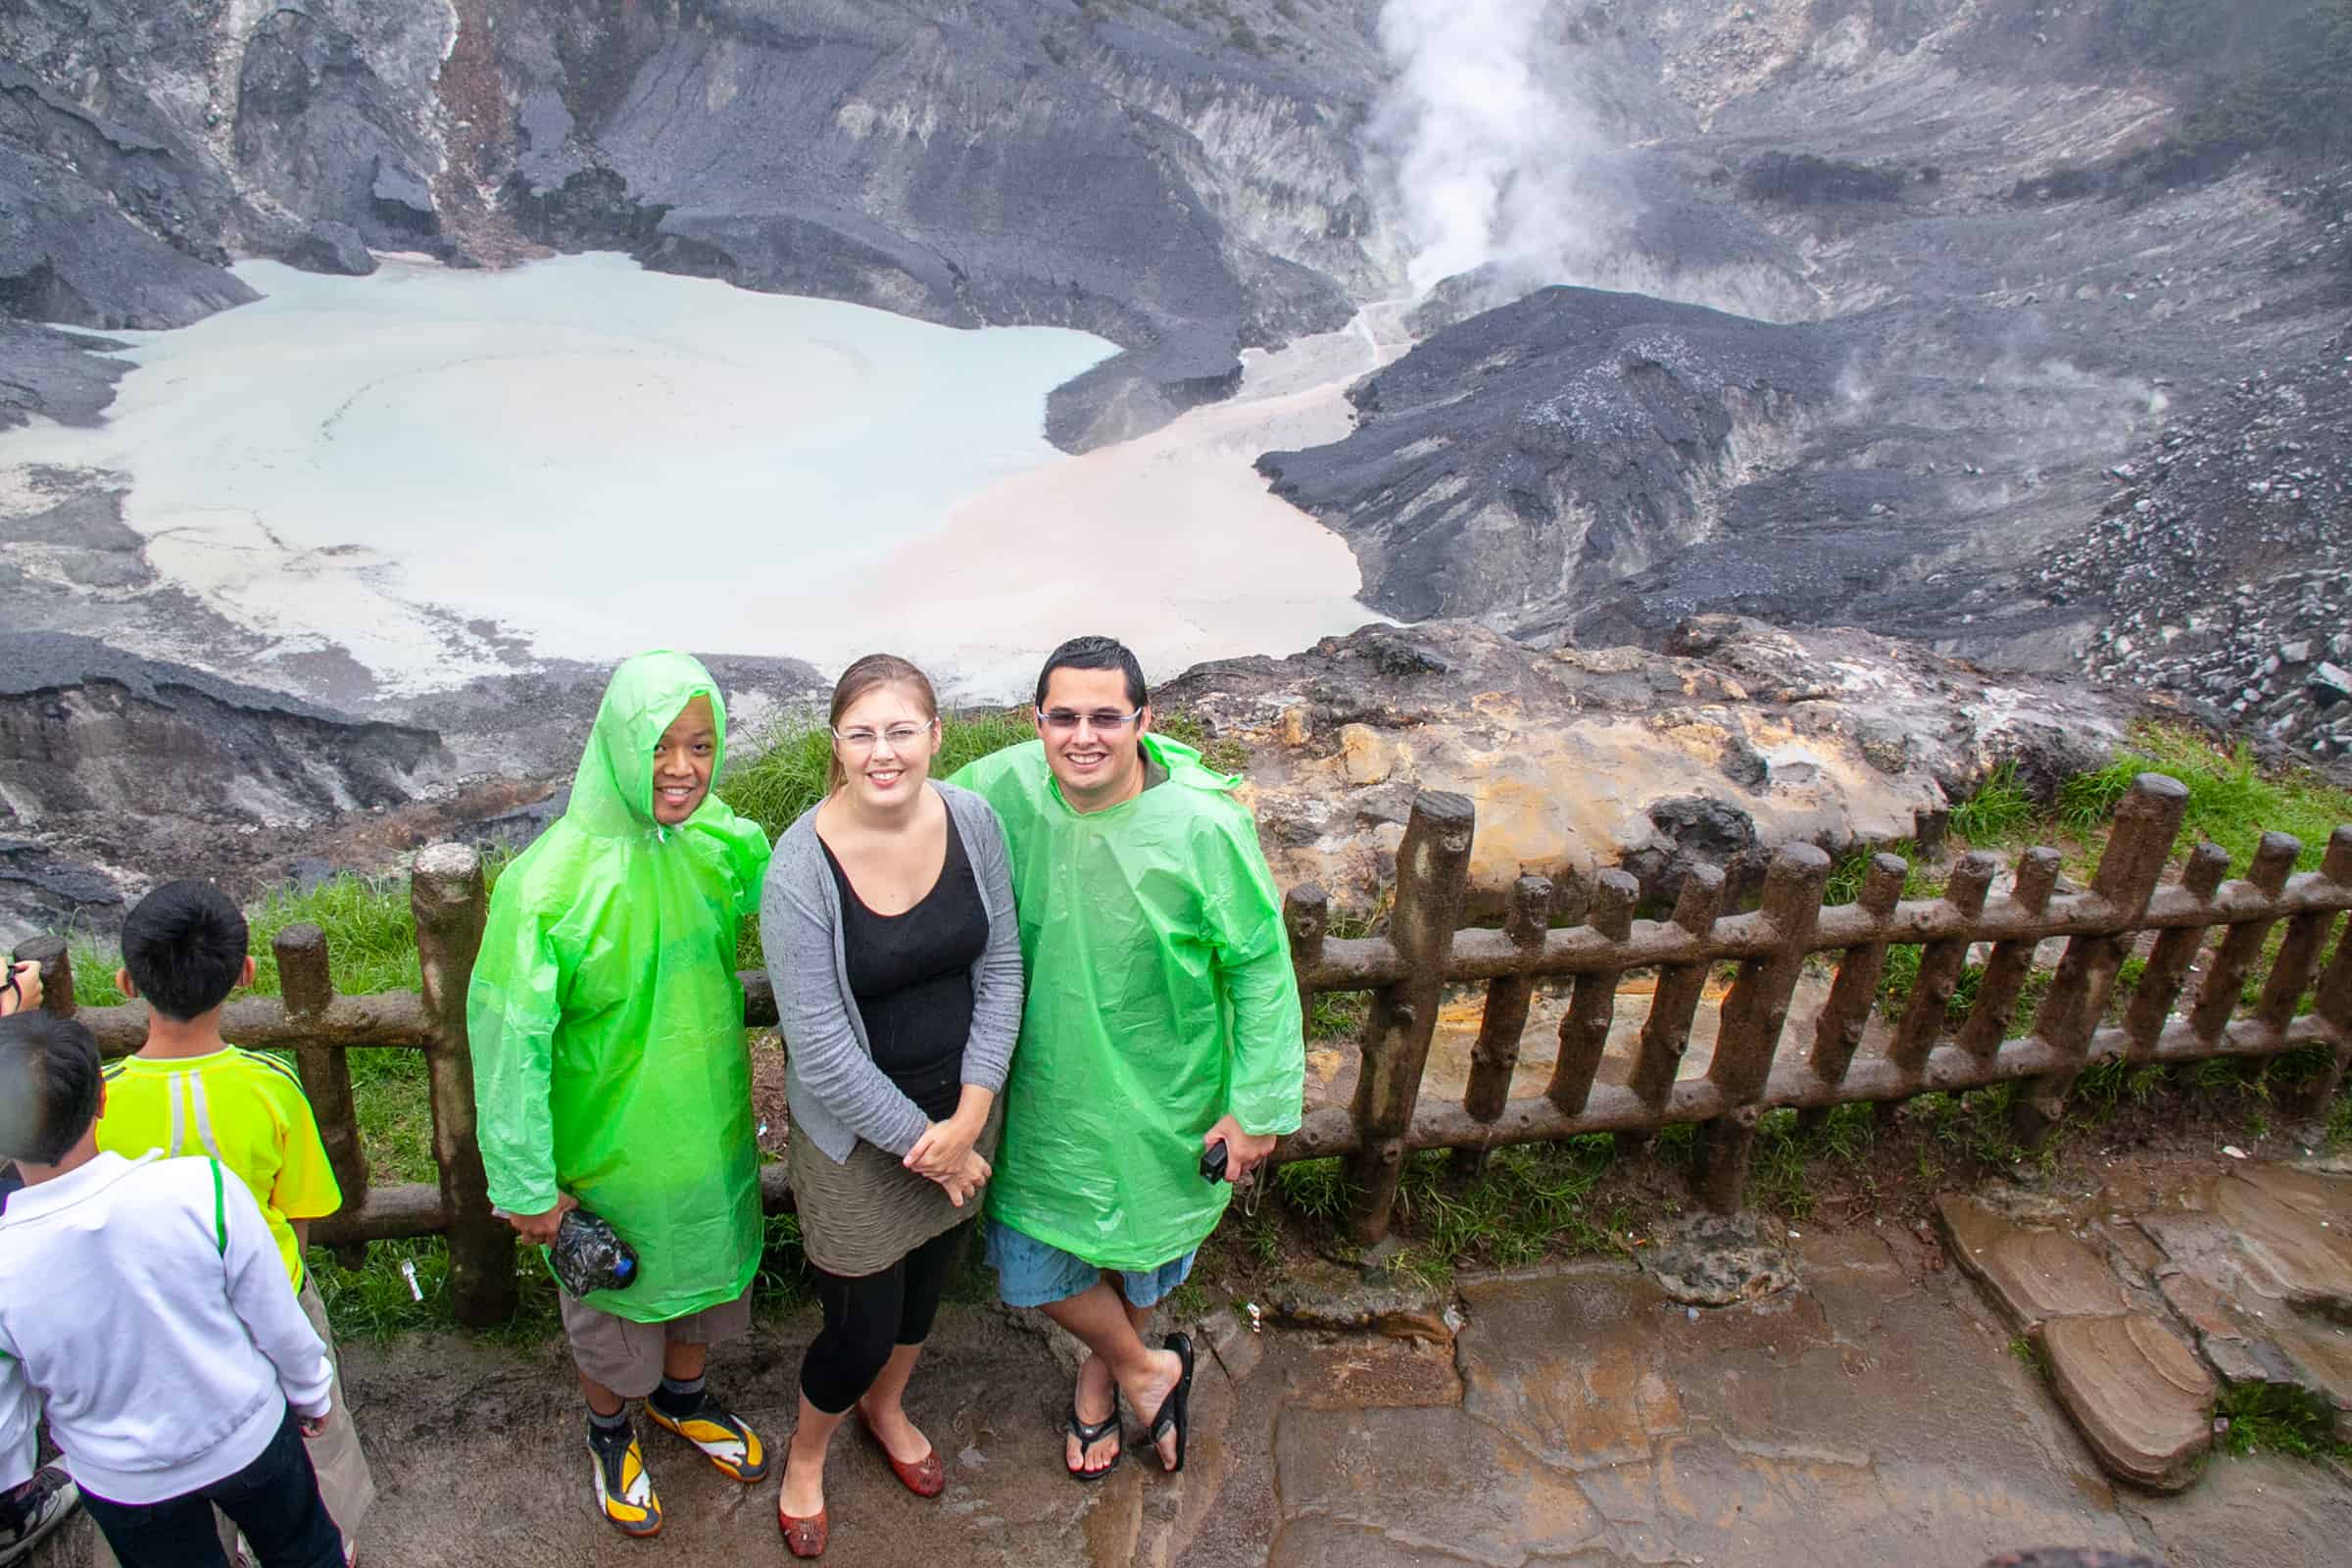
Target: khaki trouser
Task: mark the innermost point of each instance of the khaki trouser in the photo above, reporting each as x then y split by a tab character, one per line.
345	1482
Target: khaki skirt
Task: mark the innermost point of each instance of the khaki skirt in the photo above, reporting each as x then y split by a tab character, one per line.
864	1214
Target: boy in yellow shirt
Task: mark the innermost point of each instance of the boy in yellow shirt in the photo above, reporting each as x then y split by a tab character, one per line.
189	1092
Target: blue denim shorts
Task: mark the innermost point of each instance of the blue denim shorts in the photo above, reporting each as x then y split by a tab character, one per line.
1032	1273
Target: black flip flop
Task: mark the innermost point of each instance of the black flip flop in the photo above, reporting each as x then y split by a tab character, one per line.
1089	1434
1175	1411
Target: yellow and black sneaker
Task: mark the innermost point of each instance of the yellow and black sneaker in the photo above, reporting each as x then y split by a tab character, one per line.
731	1446
625	1492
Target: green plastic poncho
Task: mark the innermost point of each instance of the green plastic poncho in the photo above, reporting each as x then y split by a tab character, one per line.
607	1020
1160	996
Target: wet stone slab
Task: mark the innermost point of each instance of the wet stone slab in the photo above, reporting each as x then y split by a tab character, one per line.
2140	1396
2032	1274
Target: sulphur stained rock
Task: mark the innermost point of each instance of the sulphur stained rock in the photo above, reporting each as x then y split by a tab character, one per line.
1740	740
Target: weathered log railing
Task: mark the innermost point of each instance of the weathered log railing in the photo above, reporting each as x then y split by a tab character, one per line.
1408	969
1748	1075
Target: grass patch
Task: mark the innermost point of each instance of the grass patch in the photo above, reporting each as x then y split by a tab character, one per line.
1528	1203
1997	812
2231	800
374	1301
2275	1418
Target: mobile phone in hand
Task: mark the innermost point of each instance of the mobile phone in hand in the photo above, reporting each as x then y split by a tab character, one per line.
1212	1162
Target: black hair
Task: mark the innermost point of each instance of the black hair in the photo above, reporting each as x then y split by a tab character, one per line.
184	946
1096	653
49	1086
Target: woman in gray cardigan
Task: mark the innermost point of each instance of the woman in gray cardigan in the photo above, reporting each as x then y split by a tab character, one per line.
890	933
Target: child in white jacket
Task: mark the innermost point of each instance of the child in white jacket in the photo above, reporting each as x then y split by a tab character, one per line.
145	1304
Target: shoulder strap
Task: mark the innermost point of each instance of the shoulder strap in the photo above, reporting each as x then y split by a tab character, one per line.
220	1210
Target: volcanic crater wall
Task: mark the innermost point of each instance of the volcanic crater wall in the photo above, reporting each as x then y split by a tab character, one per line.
1179	191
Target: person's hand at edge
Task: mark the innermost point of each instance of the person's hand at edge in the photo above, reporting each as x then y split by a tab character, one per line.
540	1229
25	995
313	1425
1244	1151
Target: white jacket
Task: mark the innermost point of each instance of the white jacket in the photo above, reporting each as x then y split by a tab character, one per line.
145	1302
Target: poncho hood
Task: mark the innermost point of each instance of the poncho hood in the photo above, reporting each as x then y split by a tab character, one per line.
612	793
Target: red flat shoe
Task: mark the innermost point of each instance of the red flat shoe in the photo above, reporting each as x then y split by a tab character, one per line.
803	1537
925	1478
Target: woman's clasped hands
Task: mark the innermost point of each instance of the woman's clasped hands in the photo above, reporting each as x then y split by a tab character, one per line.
944	1155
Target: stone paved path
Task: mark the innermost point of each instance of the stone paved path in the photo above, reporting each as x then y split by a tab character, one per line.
1873	1413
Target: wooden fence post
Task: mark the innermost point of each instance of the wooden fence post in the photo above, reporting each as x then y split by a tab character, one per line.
1666	1033
2175	950
1433	872
1592	1004
305	986
1939	966
2145	824
57	972
1754	1017
1837	1032
2331	1001
1503	1019
1307	915
446	894
2005	971
2224	978
2297	964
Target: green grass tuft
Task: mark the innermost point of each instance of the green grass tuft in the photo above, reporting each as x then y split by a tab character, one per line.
2277	1418
1997	812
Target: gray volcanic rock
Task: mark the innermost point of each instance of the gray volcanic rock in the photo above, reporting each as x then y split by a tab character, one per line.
53	373
1739	739
118	772
104	223
1570	436
336	126
2220	565
1005	162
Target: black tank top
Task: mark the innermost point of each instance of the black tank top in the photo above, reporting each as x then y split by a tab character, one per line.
911	975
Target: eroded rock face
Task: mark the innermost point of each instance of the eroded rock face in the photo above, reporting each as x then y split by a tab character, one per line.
117	772
1602	434
1743	739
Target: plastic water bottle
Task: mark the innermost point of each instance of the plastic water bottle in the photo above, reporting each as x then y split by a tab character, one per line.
590	1256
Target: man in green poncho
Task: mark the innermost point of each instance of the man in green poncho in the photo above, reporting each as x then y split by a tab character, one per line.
610	1064
1162	1028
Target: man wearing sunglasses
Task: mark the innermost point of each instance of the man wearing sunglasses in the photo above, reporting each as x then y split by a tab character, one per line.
1159	1053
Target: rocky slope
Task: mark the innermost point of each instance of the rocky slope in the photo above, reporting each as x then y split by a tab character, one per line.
1735	739
1602	432
117	774
1180	186
2221	566
2005	300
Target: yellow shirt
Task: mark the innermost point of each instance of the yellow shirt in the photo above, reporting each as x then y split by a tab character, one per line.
246	1110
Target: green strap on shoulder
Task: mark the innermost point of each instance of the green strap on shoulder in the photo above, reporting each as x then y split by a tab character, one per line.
220	1210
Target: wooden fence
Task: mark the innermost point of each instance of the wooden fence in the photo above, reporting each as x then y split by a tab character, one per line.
1409	970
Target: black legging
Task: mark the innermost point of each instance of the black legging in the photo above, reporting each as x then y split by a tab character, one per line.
870	1315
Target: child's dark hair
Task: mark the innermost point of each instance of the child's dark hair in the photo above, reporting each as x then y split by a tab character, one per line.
1096	653
49	1086
184	946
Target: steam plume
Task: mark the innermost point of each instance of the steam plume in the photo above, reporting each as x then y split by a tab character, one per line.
1486	152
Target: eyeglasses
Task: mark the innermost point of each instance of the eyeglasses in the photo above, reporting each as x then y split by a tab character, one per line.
900	736
1103	719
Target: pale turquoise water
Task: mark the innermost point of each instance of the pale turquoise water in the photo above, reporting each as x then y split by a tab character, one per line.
433	471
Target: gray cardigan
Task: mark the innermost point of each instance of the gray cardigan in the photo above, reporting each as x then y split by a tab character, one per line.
837	1094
